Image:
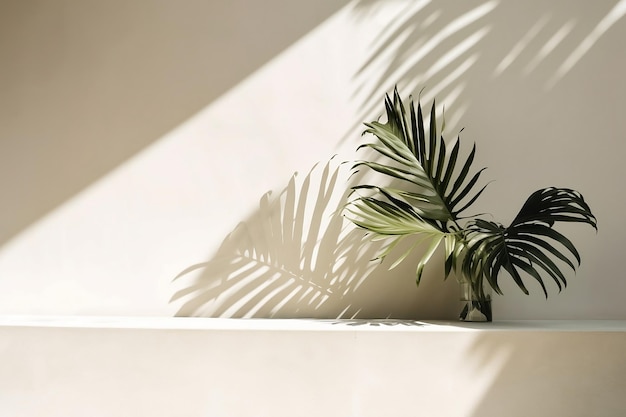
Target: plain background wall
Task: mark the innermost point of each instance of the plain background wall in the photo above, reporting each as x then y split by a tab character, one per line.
135	137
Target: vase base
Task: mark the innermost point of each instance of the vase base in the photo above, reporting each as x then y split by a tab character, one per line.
476	311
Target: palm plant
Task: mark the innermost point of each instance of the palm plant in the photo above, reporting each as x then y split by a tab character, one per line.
431	189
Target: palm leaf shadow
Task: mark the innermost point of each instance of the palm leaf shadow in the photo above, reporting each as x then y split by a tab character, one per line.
426	47
450	49
295	257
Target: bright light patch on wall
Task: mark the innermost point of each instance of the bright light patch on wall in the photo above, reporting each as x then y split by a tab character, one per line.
452	77
521	45
549	46
446	32
117	245
457	51
615	14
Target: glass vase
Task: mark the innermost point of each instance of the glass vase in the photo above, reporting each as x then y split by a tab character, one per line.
475	301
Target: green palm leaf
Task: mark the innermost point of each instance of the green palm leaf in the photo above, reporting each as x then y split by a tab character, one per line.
530	243
431	197
437	186
420	163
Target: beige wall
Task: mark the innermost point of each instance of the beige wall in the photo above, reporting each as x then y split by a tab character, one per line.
134	137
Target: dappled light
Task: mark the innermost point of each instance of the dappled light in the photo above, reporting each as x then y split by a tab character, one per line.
437	48
549	46
519	47
431	48
615	14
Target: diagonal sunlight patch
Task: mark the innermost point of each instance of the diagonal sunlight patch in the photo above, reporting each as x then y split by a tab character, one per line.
557	34
453	27
457	51
615	14
449	30
549	46
430	50
521	45
397	21
115	246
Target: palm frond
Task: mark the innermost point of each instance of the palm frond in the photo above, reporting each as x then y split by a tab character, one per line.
430	197
420	158
436	186
530	243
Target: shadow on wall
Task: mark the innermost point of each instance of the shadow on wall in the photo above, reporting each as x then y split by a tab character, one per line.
451	49
428	45
87	85
534	372
298	257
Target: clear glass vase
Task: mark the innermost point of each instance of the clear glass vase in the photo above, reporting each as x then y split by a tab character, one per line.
475	301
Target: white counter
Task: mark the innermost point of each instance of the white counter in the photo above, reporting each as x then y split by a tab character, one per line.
187	367
194	323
